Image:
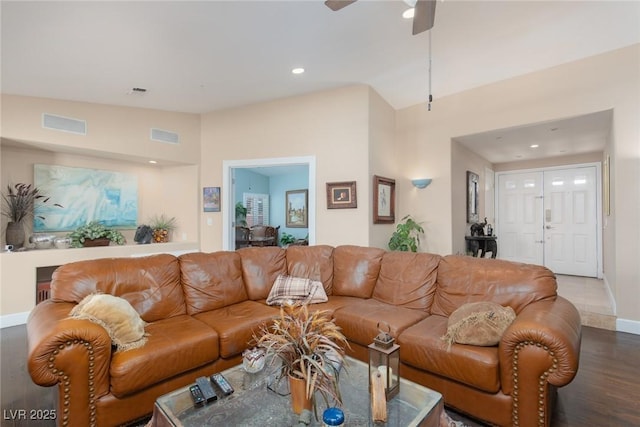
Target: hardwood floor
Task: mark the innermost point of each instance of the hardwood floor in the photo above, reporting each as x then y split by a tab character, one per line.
604	393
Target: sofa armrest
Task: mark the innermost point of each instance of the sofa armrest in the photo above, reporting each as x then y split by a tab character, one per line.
73	353
540	349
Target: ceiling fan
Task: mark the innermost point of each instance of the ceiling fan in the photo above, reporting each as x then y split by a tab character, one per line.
424	15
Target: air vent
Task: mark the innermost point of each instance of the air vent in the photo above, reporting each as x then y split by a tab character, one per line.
164	136
64	124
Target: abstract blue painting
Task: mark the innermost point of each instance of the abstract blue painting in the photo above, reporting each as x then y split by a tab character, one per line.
85	195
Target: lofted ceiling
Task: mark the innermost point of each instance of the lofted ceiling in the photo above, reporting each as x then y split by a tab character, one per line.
202	56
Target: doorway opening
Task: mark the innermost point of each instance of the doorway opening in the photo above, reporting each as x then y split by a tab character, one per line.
281	167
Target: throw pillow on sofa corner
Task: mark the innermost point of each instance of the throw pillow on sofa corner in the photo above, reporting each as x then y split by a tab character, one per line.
289	290
478	323
121	321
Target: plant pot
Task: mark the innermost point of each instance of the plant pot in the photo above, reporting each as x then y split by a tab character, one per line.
89	243
15	234
299	401
160	235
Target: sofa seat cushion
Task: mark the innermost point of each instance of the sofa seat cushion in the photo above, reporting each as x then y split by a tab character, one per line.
359	321
174	345
236	324
334	303
422	347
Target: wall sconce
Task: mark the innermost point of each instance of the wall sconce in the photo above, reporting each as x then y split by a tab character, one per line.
421	182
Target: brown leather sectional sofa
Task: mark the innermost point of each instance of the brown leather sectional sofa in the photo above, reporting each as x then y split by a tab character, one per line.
201	309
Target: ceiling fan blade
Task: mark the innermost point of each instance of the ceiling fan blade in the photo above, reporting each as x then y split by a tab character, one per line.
425	13
338	4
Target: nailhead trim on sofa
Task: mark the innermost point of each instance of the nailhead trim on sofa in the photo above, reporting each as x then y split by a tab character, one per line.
541	383
65	378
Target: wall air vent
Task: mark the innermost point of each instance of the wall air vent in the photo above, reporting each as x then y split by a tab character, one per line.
64	124
164	136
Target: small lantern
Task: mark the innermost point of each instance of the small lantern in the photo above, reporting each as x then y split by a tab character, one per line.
384	357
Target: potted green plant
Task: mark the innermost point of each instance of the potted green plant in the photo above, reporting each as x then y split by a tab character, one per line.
287	239
407	235
18	205
241	215
311	349
95	234
162	226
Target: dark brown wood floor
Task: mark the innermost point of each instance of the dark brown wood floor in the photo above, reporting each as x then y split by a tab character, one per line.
605	393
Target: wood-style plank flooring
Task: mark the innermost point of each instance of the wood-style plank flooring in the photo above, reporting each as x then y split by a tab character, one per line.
605	392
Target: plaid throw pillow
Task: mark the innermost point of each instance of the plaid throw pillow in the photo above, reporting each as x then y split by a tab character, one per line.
287	289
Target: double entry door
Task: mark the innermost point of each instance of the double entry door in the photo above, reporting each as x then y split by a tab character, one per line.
550	218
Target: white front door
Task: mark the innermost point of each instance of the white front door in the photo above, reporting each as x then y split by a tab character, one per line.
519	225
570	221
550	218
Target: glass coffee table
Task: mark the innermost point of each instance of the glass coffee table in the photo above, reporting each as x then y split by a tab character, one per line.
260	399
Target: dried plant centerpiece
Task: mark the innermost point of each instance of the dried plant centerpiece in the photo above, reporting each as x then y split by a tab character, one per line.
311	348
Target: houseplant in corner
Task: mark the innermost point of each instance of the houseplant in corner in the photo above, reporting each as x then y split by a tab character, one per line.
95	234
18	205
162	226
311	349
407	235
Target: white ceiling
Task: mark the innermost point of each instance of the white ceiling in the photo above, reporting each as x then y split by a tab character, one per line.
201	56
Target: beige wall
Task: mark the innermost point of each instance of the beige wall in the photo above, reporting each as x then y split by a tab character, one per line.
602	82
112	131
463	160
333	126
382	162
549	162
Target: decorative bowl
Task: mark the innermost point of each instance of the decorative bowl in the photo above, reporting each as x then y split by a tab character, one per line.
62	242
253	359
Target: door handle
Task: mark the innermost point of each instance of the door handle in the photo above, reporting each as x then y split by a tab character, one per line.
548	227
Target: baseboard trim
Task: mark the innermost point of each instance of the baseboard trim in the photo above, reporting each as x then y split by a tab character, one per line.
629	326
15	319
612	300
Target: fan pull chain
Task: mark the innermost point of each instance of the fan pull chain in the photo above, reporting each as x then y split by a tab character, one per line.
430	95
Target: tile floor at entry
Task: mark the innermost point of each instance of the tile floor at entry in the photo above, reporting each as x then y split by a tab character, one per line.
591	298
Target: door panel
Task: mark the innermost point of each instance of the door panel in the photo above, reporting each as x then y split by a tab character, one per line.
571	221
520	217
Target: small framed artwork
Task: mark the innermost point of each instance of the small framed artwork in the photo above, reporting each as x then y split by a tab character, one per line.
211	199
384	200
473	190
297	214
341	195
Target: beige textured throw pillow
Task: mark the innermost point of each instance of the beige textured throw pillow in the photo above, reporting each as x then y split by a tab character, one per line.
121	321
478	323
289	290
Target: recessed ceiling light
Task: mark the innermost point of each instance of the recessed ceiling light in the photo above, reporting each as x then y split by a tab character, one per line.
297	70
153	162
534	146
409	13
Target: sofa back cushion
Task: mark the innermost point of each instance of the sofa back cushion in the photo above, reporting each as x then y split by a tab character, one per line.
464	279
312	262
355	270
260	269
150	284
211	280
407	279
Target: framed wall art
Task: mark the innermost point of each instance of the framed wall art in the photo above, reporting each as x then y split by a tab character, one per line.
86	195
211	199
296	208
473	211
341	195
384	200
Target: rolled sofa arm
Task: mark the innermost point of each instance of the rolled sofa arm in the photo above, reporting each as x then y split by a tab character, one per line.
72	353
540	349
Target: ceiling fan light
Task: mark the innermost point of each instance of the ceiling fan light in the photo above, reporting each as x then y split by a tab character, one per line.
409	13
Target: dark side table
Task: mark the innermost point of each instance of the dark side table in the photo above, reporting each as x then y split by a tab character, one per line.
480	245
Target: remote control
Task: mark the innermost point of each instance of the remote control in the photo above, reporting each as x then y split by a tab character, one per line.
207	390
222	384
196	395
